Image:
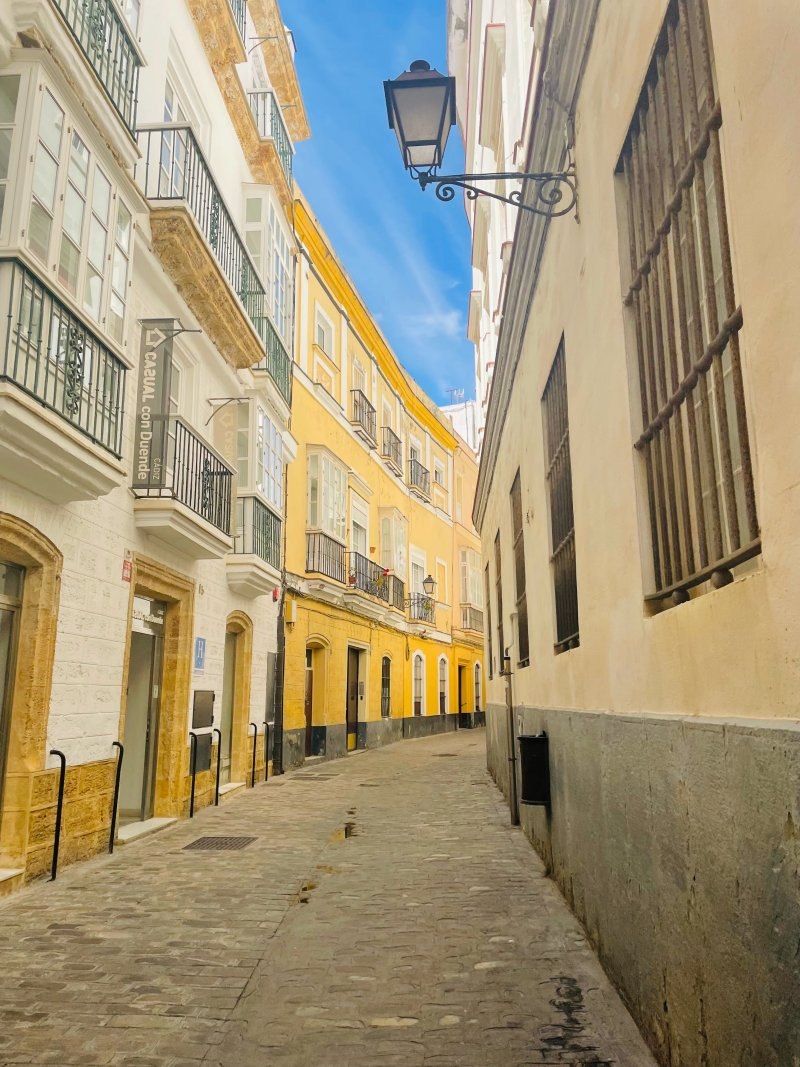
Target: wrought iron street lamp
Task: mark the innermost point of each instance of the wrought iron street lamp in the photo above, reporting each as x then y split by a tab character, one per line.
421	106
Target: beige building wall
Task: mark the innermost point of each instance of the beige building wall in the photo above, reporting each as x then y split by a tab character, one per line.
673	727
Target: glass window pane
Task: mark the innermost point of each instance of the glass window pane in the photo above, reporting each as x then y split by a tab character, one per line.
119	274
123	227
116	317
51	124
93	291
44	178
101	195
10	581
39	230
79	164
253	209
5	151
97	243
9	91
73	214
68	264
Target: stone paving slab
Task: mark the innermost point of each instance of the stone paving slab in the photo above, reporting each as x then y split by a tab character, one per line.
385	914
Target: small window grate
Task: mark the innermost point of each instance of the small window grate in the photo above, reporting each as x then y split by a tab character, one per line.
219	844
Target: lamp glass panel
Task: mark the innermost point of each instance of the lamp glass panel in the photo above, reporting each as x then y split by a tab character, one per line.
419	110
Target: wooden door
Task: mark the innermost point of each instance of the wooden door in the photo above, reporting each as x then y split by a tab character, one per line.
309	699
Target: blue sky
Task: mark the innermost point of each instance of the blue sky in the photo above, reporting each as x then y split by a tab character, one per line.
407	253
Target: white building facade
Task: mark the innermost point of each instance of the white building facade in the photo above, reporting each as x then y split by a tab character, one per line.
146	265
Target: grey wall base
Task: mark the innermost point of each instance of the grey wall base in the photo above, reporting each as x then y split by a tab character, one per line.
428	725
676	841
378	733
294	747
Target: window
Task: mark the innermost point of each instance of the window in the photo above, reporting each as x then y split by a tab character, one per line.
359	376
243	445
694	441
442	685
270	251
323	333
498	588
442	593
562	522
471	578
518	539
72	195
172	165
417	575
269	459
281	276
359	524
487	588
9	92
394	536
386	414
438	473
132	10
45	176
478	693
327	496
459	498
386	687
419	684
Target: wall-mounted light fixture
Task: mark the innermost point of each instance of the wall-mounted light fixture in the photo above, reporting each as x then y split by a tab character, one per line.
421	107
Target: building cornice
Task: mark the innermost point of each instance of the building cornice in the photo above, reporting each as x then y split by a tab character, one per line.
568	36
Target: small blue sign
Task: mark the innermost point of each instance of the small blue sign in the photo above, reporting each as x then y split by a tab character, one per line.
199	654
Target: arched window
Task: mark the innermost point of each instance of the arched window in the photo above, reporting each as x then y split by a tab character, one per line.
442	685
419	684
386	687
478	693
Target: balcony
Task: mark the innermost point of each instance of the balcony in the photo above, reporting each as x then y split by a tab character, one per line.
198	243
367	577
422	608
254	566
272	131
419	479
397	593
326	556
276	362
471	618
109	49
392	450
61	395
183	491
363	418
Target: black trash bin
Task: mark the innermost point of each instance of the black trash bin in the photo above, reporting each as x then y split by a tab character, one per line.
534	758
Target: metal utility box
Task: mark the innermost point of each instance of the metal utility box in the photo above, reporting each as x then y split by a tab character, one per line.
203	709
534	757
203	752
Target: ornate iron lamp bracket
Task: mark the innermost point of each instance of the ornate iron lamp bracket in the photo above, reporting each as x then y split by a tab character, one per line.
556	191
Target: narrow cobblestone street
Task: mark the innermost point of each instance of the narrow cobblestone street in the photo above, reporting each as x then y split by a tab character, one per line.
384	914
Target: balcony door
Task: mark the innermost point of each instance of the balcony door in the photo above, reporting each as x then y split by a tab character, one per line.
172	174
10	601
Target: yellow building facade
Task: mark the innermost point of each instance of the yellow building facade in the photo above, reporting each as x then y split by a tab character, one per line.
383	608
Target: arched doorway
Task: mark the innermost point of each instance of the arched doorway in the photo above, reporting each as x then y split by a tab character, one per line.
30	585
236	672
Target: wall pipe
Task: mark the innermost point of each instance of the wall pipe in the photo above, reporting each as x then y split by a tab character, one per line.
113	831
59	807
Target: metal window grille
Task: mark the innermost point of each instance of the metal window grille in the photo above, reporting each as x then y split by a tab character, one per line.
488	599
562	521
694	441
498	588
519	571
386	686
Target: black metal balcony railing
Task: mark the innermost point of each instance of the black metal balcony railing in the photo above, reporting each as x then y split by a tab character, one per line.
326	556
367	576
269	122
109	49
258	531
391	448
419	477
397	592
173	167
471	618
422	608
364	415
239	12
51	355
193	473
277	362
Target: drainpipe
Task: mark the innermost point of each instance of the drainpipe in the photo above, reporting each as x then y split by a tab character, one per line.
513	803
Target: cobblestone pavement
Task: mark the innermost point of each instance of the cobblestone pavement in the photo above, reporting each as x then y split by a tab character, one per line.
385	914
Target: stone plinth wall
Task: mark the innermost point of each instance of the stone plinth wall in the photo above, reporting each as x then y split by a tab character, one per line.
676	842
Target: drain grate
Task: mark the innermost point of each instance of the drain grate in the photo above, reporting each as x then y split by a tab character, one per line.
219	844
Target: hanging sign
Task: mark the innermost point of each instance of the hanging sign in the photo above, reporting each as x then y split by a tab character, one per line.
152	402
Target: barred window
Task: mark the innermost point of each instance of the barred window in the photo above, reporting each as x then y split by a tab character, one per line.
519	572
498	588
562	521
694	439
488	600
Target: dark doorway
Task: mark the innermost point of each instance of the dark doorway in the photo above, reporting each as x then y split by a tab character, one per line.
353	663
309	698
